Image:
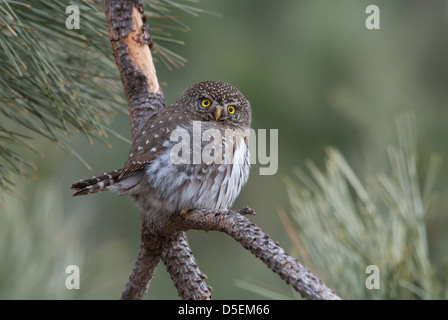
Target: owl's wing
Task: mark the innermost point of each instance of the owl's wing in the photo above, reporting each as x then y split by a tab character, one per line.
149	141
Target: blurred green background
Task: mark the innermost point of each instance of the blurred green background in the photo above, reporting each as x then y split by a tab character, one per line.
313	71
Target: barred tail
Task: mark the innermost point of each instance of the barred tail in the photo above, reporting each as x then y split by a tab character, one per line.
95	184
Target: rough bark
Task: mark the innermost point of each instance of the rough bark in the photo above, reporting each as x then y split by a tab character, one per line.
259	243
131	43
146	264
184	271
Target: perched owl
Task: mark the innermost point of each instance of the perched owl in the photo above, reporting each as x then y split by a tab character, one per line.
169	167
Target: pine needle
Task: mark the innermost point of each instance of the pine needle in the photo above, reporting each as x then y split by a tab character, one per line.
51	88
347	223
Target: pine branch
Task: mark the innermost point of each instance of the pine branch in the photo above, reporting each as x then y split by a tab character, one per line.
259	243
372	219
184	271
131	42
174	250
56	81
146	264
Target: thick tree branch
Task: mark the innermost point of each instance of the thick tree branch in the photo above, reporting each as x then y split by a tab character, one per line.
146	264
174	250
259	243
131	42
184	271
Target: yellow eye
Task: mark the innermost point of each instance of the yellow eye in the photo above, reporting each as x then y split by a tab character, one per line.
206	103
231	109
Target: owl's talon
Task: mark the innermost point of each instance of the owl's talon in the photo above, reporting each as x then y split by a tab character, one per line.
247	211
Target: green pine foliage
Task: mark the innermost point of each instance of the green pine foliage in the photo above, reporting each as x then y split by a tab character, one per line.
55	82
345	224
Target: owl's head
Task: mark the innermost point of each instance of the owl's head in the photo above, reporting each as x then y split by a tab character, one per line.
217	101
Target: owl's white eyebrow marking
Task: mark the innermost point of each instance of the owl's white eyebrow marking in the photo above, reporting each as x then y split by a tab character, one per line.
153	149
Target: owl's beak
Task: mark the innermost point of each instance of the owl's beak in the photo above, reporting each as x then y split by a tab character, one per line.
218	112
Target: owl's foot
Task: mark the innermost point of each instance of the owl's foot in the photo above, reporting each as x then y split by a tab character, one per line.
184	211
247	211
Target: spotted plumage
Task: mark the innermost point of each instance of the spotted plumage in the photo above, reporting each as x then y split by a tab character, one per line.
159	183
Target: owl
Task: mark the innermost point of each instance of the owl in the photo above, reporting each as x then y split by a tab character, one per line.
192	154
